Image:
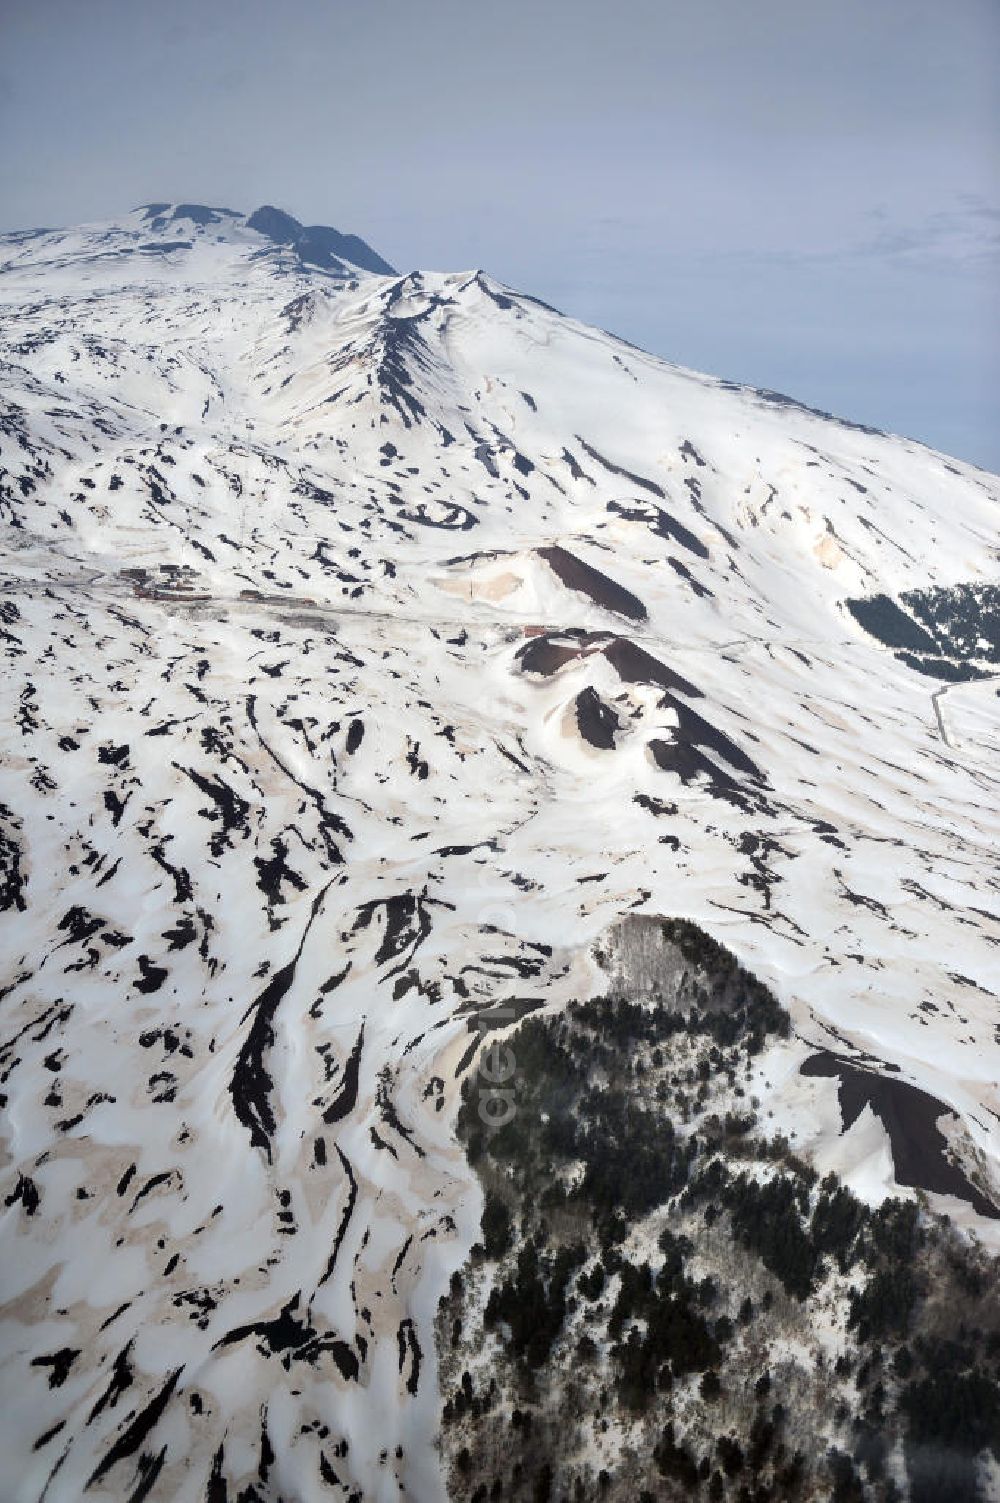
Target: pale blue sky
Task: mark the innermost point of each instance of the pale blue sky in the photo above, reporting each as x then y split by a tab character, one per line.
798	195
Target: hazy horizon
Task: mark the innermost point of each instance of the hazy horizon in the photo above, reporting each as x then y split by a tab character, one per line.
798	201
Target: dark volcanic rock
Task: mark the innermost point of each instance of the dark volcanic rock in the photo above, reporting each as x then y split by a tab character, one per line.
597	721
910	1117
605	592
275	224
317	244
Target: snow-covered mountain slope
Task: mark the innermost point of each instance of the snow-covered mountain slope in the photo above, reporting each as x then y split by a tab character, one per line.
373	644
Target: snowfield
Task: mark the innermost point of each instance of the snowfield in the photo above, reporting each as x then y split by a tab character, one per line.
373	643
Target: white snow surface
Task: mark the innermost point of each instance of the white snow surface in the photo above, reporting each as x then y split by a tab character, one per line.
265	859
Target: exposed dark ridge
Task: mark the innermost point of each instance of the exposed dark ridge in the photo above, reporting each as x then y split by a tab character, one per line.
536	302
634	665
345	1218
662	524
347	1096
203	213
501	301
407	924
164	247
688	762
641	481
779	399
360	253
687	755
701	590
133	1436
695	730
596	720
548	652
395	348
910	1117
274	223
317	244
250	1085
577	575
